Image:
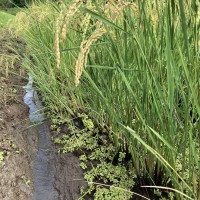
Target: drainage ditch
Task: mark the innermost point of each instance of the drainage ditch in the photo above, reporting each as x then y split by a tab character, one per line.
44	166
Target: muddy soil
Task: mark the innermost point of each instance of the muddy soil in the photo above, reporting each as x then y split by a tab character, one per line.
16	179
15	172
19	139
68	176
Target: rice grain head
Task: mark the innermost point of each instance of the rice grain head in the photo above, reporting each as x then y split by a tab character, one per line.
72	10
113	9
57	40
85	25
84	51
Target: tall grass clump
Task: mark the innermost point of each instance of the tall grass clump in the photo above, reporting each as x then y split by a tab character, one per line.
135	68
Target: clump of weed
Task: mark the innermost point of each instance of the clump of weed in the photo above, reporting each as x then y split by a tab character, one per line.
96	151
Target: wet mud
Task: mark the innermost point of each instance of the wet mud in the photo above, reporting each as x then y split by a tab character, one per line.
31	168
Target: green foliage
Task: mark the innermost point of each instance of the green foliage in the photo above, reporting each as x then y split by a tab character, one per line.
121	181
120	177
5	18
78	138
142	79
21	3
8	4
14	10
110	194
88	124
5	4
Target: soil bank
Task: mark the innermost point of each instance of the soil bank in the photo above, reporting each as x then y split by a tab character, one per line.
19	138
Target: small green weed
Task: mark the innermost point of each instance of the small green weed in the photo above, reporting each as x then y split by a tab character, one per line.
26	181
100	150
1	157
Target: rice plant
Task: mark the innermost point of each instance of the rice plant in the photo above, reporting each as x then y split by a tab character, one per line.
135	67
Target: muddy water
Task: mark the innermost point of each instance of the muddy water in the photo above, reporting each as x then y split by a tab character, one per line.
44	166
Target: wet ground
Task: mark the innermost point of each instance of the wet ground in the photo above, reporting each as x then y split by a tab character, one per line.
16	178
20	140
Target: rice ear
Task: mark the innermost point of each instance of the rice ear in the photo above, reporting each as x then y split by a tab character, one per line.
72	10
84	51
56	43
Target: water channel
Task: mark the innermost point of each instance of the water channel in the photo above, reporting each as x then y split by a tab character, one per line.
44	166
